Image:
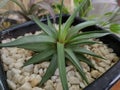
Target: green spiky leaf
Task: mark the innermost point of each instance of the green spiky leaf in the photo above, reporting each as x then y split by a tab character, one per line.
29	40
84	59
115	28
40	57
81	26
82	42
52	28
43	26
85	51
37	47
50	71
61	65
69	21
76	63
89	35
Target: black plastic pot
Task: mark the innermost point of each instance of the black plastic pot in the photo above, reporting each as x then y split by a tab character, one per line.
102	83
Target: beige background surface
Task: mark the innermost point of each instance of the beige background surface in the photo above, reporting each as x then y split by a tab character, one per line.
9	6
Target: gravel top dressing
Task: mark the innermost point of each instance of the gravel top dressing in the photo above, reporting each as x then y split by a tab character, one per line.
28	77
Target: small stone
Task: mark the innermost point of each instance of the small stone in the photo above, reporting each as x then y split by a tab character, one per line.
16	77
18	65
101	69
74	87
95	74
25	86
11	84
78	76
53	78
57	72
85	66
102	64
7	60
59	86
34	82
28	68
73	80
58	80
71	73
45	64
26	79
11	66
9	75
82	85
26	73
49	85
36	69
15	71
41	72
32	76
37	88
69	68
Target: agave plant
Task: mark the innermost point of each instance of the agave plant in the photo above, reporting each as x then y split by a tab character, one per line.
40	8
59	45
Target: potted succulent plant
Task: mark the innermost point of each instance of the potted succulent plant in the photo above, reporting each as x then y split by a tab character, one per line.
61	46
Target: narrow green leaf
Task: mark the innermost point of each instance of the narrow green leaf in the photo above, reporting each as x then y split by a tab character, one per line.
29	40
71	18
60	16
78	27
115	28
52	28
37	47
89	35
61	65
39	57
69	21
85	51
50	70
76	63
82	42
84	59
43	26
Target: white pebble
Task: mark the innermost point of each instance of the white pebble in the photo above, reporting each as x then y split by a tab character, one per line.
36	69
11	84
82	85
35	81
28	68
37	88
18	65
95	74
59	86
15	71
25	86
53	78
71	73
41	72
57	72
74	87
69	68
7	60
73	80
